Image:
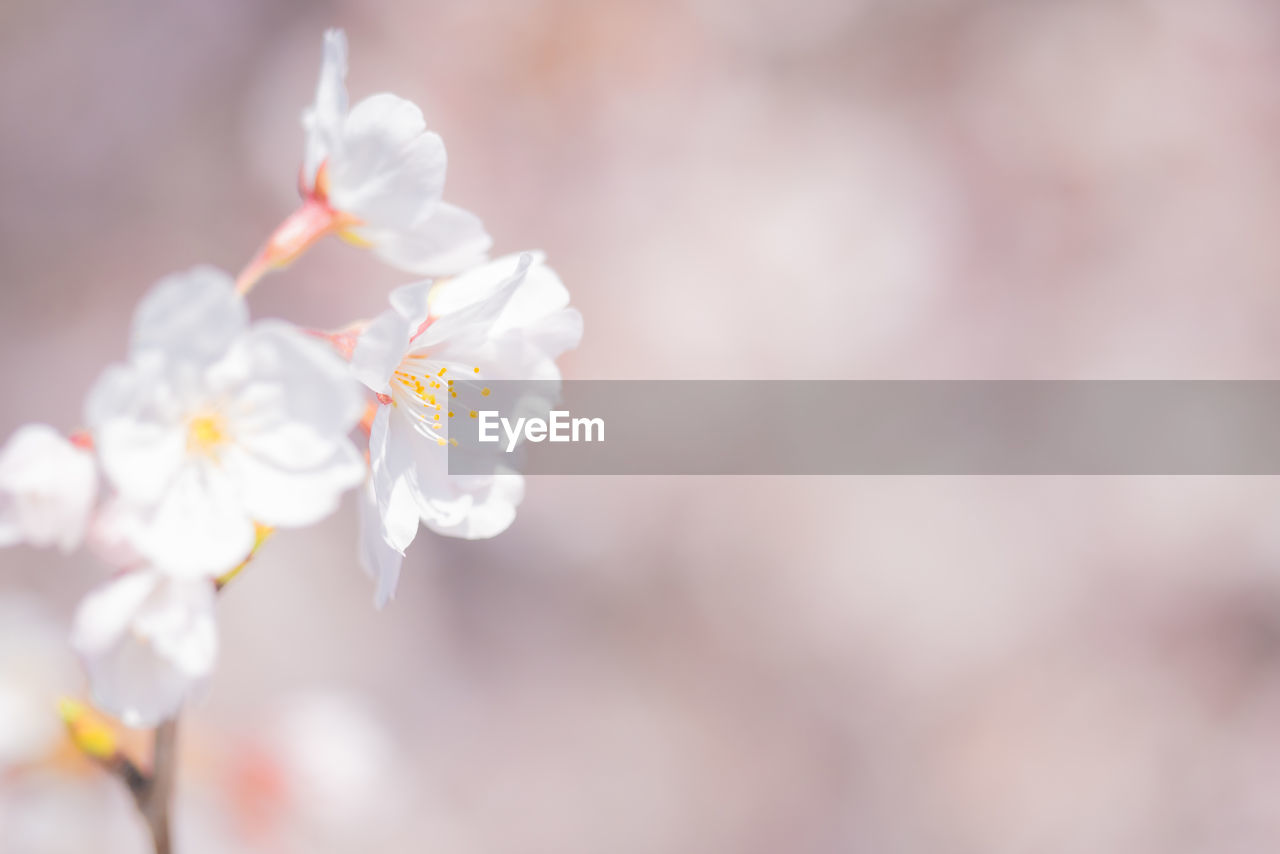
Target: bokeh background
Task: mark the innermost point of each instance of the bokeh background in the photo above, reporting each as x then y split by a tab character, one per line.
740	189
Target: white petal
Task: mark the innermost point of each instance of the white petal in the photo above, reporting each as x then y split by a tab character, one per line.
323	120
413	303
47	489
448	240
556	333
534	307
540	295
140	442
467	506
137	686
300	401
380	349
389	170
200	527
192	316
384	343
292	498
474	319
481	283
518	354
147	642
105	614
474	513
392	443
378	558
178	621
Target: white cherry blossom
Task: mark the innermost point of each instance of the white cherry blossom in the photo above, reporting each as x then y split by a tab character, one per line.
506	320
47	488
148	641
213	425
374	175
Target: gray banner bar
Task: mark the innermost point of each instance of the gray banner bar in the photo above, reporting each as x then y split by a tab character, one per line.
883	428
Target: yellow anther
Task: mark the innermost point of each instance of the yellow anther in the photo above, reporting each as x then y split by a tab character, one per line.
442	370
484	392
205	433
473	413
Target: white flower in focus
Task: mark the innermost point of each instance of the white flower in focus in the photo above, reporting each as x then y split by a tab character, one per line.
374	175
148	641
213	425
47	489
507	320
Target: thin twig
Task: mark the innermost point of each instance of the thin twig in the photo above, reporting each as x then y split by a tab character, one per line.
131	775
155	798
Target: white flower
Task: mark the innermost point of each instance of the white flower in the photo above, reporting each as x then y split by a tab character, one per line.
507	320
374	175
212	425
47	489
148	641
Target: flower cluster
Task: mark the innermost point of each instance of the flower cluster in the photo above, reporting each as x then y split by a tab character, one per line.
214	431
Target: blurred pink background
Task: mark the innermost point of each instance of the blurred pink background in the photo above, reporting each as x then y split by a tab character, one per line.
731	189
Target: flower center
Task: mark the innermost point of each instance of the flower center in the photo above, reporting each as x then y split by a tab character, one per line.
206	433
423	391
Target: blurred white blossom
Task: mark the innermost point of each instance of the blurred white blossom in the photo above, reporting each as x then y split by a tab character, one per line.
47	489
212	425
342	773
509	320
48	811
148	641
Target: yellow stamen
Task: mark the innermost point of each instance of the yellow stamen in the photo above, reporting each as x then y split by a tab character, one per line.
206	433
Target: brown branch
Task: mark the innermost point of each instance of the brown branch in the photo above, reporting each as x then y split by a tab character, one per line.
156	795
